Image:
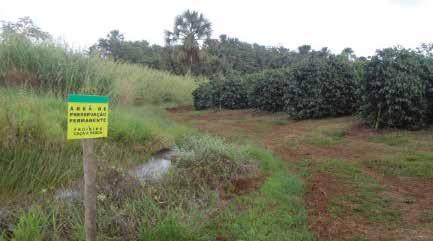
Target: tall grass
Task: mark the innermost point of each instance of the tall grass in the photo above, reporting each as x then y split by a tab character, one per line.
43	66
134	84
35	155
54	68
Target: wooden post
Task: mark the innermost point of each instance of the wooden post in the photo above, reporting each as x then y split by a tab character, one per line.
89	163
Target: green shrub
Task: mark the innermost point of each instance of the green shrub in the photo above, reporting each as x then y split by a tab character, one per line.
230	92
429	92
202	97
234	93
395	90
268	91
321	87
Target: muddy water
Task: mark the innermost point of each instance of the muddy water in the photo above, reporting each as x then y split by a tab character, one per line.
68	194
154	168
151	170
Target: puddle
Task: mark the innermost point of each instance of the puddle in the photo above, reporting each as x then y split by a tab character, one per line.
152	170
155	167
67	194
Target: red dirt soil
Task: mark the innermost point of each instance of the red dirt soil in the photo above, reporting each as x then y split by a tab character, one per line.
415	195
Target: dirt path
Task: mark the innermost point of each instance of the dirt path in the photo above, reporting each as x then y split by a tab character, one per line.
341	139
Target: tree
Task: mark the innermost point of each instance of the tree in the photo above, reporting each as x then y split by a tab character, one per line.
232	55
426	49
348	53
304	49
111	46
23	27
189	28
137	52
324	52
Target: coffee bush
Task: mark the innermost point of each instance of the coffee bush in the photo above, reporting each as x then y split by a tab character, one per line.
234	93
230	92
268	90
321	87
202	97
397	90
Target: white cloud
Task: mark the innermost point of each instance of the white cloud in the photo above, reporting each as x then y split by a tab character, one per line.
407	2
364	25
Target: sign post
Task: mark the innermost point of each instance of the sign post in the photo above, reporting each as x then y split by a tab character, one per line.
88	119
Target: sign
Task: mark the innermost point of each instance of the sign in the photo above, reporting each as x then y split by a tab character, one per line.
87	116
88	119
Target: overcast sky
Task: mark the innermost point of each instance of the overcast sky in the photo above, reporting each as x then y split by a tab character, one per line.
364	25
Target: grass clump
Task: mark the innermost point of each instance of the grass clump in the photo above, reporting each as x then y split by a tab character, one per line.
30	226
413	164
392	139
364	200
208	148
205	162
168	230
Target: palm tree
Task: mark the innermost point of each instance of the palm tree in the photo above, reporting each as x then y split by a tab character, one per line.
189	29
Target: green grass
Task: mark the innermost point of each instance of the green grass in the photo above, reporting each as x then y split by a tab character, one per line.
171	210
359	238
364	199
412	163
427	216
275	212
392	139
36	155
326	137
30	226
53	68
168	230
199	113
280	121
138	85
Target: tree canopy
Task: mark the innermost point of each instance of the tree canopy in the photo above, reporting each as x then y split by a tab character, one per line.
189	29
24	27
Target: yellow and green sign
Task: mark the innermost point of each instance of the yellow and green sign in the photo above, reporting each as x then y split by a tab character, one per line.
87	116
